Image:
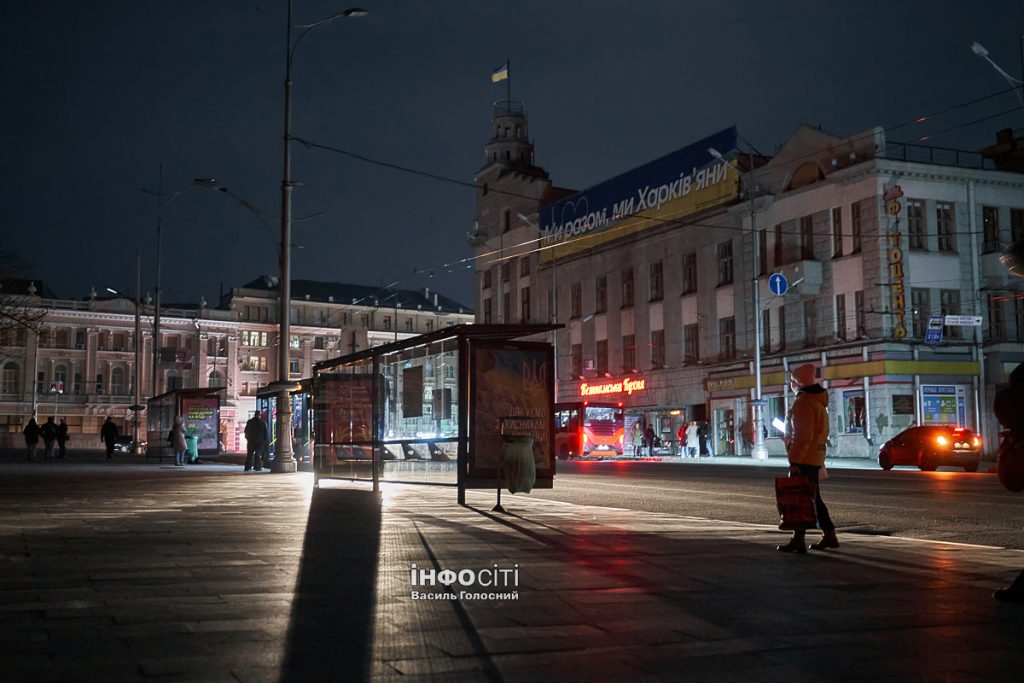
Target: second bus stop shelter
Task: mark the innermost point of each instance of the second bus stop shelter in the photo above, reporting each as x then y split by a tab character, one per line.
435	408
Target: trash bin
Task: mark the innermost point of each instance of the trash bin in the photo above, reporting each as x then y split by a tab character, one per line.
518	468
192	447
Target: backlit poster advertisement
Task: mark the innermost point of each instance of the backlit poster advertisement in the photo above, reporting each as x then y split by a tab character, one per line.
343	408
202	419
512	393
943	404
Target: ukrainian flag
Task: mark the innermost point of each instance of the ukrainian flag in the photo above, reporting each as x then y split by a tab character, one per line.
500	74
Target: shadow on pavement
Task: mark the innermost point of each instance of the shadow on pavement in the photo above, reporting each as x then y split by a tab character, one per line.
330	635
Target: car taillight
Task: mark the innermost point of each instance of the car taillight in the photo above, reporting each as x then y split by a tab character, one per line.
977	442
941	440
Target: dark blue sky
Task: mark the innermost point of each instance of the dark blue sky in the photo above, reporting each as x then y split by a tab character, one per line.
96	95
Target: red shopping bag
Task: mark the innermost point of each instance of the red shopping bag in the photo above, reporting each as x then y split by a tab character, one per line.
794	496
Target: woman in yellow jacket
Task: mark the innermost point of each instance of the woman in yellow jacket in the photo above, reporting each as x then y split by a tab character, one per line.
805	447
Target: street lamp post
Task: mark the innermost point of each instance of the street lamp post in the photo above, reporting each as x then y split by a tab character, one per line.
1016	84
759	451
137	407
284	460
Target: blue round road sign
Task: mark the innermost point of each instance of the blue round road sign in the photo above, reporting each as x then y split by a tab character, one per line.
778	284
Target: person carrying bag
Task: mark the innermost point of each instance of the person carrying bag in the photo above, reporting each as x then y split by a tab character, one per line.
805	448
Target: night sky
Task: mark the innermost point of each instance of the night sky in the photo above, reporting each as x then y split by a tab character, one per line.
96	95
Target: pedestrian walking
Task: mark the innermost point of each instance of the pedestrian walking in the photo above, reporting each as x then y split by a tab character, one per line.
693	440
1009	410
177	440
49	434
31	432
256	439
62	439
681	436
805	448
108	435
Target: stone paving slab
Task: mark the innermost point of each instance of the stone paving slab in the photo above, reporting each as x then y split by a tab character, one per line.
137	572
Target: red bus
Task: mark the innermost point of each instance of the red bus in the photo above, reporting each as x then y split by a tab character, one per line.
585	428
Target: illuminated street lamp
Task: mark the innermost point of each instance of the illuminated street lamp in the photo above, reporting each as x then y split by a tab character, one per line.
284	461
759	451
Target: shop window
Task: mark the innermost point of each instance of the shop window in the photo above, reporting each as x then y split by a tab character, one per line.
851	419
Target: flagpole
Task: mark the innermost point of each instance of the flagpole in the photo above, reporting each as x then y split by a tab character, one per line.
508	84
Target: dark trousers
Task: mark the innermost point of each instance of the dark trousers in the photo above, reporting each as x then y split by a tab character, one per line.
110	449
253	456
824	519
60	445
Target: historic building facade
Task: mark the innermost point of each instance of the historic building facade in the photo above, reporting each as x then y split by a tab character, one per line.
652	275
79	362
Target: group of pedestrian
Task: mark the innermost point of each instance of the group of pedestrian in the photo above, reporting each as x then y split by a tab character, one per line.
693	440
51	433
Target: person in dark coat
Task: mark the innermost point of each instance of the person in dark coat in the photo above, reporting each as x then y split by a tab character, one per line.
62	438
108	435
256	438
702	438
1009	410
49	434
31	432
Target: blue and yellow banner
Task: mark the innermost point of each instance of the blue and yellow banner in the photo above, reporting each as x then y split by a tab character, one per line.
679	184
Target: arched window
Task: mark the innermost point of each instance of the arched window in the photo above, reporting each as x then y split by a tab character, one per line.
10	379
117	382
216	380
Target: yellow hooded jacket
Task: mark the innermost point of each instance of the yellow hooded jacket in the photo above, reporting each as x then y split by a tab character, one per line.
809	432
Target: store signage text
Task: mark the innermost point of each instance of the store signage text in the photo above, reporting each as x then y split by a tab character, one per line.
627	386
899	300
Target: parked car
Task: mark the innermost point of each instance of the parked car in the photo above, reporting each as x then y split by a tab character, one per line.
123	444
931	446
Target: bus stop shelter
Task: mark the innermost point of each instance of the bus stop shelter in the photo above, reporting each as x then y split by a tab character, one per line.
437	408
200	412
301	427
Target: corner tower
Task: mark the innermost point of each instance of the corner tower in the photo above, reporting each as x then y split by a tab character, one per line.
511	191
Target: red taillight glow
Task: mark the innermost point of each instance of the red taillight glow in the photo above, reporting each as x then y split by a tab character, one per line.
977	442
941	440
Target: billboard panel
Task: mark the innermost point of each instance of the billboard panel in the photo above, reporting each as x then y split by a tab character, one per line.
672	187
512	391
